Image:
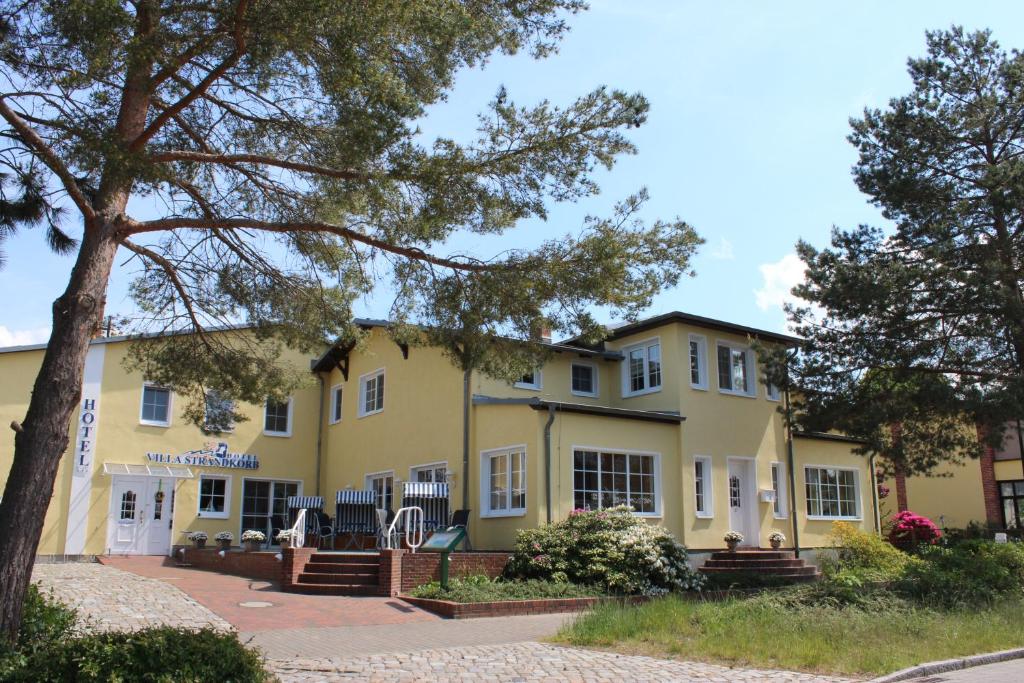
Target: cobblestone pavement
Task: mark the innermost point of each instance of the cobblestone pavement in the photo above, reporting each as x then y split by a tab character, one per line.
523	663
108	599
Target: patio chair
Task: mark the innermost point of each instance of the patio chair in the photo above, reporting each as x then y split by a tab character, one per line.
324	528
460	520
384	519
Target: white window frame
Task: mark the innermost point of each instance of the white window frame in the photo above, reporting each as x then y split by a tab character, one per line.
336	390
702	360
270	432
646	344
415	469
170	405
593	368
771	395
538	382
657	514
751	368
709	488
227	429
780	509
485	481
859	514
363	379
369	477
227	496
273	480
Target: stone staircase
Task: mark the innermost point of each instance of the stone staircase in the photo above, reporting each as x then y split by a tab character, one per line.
339	574
781	565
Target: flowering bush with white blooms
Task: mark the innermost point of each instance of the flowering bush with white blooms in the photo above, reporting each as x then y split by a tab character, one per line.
224	536
777	537
198	536
611	549
287	535
733	537
253	536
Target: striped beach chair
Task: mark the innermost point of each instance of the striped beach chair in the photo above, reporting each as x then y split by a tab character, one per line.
354	516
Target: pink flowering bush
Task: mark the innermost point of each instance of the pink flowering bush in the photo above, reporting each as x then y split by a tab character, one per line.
609	549
909	530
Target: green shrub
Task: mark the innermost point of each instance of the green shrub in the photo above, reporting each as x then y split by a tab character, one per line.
743	580
611	549
971	572
483	589
862	556
44	621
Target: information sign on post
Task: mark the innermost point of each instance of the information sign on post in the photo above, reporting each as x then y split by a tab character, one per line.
443	542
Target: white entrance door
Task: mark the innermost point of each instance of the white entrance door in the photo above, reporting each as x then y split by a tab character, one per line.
743	500
140	516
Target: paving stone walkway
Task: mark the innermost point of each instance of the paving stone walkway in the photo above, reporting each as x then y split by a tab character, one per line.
521	663
108	599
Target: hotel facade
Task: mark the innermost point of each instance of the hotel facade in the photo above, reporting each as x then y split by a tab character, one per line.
669	415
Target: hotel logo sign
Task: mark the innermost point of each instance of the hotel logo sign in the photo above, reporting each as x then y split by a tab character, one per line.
212	454
86	434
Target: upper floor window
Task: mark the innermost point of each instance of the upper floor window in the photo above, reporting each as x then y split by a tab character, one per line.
335	403
584	379
531	380
371	393
832	493
641	372
698	362
772	392
219	412
277	417
156	406
735	370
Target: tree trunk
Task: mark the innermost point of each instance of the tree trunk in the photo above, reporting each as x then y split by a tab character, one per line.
43	439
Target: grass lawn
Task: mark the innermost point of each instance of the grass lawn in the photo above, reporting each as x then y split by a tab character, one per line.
759	632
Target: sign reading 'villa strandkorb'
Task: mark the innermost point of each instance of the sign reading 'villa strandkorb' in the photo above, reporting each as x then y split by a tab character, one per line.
213	454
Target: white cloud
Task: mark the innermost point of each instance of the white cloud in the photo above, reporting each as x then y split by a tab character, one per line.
779	279
724	251
36	335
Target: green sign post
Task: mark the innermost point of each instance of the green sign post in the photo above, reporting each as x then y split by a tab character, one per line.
444	542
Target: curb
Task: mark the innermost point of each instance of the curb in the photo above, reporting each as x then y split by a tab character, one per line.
948	665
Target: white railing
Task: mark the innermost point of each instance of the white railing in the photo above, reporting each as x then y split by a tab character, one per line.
413	526
299	530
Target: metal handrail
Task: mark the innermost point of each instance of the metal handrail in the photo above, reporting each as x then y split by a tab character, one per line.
413	527
299	530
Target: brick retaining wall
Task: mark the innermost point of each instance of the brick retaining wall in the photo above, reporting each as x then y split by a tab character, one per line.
473	610
421	568
258	565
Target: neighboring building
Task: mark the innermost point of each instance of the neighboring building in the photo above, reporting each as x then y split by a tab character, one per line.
668	415
988	490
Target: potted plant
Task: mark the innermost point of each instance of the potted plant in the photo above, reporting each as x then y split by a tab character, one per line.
252	539
198	539
733	539
224	538
286	537
777	538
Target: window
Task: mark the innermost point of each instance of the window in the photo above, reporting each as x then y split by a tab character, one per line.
265	505
383	484
128	505
584	379
702	487
371	393
772	392
698	362
603	480
779	487
735	370
437	473
641	373
156	406
336	403
832	493
503	478
219	413
277	418
531	380
213	496
1011	500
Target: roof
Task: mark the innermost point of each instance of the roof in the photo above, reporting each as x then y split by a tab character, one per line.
129	337
700	321
825	436
583	408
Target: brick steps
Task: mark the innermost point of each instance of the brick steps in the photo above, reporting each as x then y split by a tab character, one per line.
781	565
339	574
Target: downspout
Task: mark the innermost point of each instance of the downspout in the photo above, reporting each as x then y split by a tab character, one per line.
874	494
466	381
547	458
791	466
320	430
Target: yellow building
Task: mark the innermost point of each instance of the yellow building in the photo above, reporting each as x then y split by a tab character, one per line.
668	415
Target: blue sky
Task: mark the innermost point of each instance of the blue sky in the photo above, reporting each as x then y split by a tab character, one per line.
746	138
